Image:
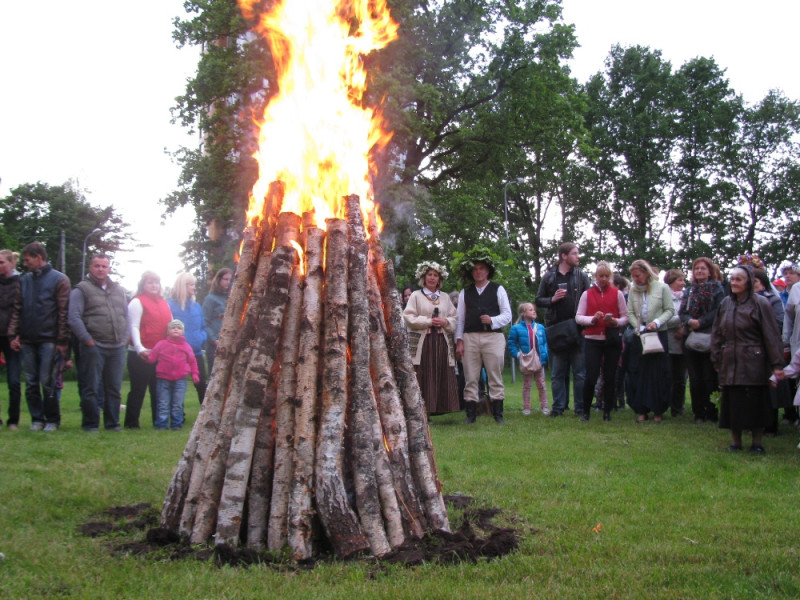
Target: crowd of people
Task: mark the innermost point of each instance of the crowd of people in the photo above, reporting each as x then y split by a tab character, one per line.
612	341
617	342
48	326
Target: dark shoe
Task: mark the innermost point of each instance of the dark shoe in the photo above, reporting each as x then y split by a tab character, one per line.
757	450
472	412
554	414
497	411
734	448
585	417
699	420
606	416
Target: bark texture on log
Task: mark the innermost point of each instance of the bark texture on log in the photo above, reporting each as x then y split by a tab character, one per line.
419	447
338	518
362	440
257	403
179	514
301	507
286	403
390	409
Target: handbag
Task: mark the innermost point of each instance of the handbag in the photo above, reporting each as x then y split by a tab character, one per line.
529	362
699	342
563	336
651	344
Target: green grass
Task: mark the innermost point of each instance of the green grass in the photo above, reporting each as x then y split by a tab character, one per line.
681	517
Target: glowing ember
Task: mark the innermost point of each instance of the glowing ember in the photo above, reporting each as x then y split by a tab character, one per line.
315	134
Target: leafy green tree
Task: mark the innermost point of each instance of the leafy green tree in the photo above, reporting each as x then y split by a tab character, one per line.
706	121
632	118
41	212
762	168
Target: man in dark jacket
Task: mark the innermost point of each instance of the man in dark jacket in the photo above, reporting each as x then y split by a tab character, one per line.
559	293
38	328
98	318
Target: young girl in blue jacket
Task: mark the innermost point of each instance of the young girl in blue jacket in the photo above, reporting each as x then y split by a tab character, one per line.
522	336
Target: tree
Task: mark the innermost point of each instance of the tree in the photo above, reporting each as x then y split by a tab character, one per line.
40	212
458	87
762	168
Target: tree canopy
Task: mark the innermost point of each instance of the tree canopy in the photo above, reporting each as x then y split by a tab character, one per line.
496	144
41	212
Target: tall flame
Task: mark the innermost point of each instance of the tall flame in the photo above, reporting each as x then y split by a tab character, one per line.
315	134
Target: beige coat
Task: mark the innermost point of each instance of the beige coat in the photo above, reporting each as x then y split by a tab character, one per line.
418	315
659	306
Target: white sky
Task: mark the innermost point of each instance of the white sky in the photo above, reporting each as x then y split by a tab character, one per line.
87	87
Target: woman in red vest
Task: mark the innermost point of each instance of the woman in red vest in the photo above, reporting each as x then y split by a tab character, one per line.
148	317
602	312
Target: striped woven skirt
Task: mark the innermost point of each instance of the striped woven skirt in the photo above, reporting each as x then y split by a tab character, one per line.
437	379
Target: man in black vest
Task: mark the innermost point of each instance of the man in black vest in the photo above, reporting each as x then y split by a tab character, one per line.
38	328
559	292
483	310
98	312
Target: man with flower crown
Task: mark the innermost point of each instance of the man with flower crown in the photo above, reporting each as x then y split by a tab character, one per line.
483	311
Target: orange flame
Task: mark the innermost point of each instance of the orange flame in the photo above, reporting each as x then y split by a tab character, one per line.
315	133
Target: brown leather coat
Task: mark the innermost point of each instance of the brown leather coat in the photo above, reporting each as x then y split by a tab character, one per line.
745	342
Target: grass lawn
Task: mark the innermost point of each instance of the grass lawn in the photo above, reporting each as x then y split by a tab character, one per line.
606	510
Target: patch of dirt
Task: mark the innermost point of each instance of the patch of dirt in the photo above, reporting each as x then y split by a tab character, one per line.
475	538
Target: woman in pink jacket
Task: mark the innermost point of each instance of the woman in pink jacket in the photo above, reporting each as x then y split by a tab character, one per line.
174	359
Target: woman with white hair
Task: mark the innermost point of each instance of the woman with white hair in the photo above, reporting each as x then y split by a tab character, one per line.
186	309
745	350
431	319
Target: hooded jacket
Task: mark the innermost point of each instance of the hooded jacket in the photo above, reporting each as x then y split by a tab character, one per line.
745	341
174	359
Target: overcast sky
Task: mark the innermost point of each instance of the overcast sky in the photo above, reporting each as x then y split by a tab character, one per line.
87	88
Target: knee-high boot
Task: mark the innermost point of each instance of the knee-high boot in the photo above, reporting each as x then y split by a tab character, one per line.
472	411
497	410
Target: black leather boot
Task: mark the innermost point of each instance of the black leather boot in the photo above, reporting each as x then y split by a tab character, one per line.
472	411
497	410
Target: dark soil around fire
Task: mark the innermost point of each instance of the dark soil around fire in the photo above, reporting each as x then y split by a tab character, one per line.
474	537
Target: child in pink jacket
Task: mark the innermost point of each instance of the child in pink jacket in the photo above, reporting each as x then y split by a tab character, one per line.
174	360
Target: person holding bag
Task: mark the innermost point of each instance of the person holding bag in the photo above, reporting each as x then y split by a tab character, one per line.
601	311
528	343
650	308
698	309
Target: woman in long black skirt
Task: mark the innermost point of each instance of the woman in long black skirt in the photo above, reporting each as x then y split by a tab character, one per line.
745	351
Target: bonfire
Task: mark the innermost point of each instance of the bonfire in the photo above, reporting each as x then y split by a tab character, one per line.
313	432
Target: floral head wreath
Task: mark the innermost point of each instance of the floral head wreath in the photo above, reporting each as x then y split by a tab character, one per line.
752	260
429	265
471	260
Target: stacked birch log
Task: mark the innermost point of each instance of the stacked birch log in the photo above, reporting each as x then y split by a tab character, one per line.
313	432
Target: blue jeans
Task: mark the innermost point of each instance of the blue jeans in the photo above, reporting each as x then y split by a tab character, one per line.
101	371
13	372
560	363
170	395
43	402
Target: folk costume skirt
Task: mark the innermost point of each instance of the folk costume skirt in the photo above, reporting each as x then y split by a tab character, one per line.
437	379
744	407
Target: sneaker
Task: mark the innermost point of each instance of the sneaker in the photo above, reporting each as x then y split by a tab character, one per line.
545	411
117	428
526	411
91	429
798	446
757	450
50	427
37	426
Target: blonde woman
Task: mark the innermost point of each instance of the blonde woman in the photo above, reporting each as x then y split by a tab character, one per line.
601	312
650	307
184	308
431	319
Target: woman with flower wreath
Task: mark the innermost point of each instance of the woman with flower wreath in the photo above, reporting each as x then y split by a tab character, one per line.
431	319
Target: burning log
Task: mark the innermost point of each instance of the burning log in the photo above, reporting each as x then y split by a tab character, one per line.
314	418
